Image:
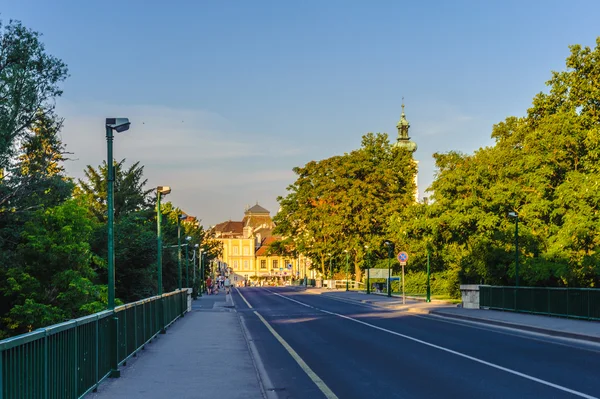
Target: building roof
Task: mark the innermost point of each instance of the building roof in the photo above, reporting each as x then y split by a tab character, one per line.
264	246
230	227
257	209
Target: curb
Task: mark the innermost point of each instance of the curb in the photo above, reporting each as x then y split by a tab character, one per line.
523	327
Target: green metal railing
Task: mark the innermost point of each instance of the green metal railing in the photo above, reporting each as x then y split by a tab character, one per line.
580	303
70	359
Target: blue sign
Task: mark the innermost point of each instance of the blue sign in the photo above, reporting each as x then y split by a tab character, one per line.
402	257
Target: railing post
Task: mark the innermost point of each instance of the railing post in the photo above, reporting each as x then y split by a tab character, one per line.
76	361
97	340
114	346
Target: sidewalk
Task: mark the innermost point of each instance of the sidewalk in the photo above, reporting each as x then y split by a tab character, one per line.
204	354
556	326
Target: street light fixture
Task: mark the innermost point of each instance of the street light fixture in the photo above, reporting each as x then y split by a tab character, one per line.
347	254
119	125
390	248
187	262
515	215
368	270
330	272
179	219
160	191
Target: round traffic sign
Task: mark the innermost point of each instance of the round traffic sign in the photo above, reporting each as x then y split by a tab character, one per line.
402	256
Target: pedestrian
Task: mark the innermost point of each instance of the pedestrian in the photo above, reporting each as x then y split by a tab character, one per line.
209	285
227	284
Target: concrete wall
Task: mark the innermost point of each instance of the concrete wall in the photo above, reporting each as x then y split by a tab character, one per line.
470	296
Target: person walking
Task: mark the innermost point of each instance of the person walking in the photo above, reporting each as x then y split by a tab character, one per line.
209	285
227	284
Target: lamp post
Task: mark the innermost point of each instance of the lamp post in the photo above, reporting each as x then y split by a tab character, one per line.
197	282
428	299
390	249
330	272
160	191
305	277
202	270
179	219
119	125
368	270
515	216
187	263
347	255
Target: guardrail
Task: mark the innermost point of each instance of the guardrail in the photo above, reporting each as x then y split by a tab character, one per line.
579	303
70	359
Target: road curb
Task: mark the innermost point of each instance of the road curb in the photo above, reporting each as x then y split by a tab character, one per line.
523	327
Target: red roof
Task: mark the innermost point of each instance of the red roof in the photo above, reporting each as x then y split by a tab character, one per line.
264	246
230	227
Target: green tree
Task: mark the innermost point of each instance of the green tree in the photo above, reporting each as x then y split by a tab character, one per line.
54	280
29	82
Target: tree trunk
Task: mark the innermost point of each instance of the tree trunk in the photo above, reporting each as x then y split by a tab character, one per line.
357	270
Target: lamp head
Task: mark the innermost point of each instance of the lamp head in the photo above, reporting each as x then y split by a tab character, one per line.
183	216
196	246
164	190
188	238
513	214
118	124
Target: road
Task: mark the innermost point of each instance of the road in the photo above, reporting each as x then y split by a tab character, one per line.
312	346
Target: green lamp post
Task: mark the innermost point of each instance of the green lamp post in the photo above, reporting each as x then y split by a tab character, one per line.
119	125
515	216
187	262
160	191
179	219
390	250
368	270
347	255
330	271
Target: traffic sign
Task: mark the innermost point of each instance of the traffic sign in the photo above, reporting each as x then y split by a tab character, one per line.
402	257
289	266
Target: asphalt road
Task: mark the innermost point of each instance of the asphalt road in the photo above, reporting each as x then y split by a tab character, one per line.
351	350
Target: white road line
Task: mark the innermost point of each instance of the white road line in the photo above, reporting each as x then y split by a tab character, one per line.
247	303
498	367
311	374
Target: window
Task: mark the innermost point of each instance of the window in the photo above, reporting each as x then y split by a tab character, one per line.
263	264
246	265
246	251
235	264
275	266
236	250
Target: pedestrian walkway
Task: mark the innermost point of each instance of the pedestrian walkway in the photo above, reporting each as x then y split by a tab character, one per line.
563	327
203	355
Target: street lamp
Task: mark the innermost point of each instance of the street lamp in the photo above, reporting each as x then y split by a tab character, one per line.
119	125
330	272
305	277
187	262
196	284
368	270
515	216
179	219
390	248
347	254
160	190
202	270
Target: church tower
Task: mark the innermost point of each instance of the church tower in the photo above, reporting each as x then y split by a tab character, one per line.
404	141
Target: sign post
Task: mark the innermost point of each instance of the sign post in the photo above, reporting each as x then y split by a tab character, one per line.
403	258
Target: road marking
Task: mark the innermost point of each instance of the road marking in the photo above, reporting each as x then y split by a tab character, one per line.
247	303
496	366
311	374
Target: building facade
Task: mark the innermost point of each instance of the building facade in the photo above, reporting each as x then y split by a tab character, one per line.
246	249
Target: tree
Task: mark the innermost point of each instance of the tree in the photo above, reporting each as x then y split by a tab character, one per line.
53	280
345	202
29	82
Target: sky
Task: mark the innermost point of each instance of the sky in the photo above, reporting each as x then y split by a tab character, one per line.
226	97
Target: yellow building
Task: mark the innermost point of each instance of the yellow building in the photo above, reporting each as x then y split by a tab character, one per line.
245	248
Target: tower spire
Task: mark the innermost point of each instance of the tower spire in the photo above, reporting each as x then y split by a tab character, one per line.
403	139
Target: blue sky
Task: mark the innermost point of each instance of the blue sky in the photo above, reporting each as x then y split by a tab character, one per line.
226	97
